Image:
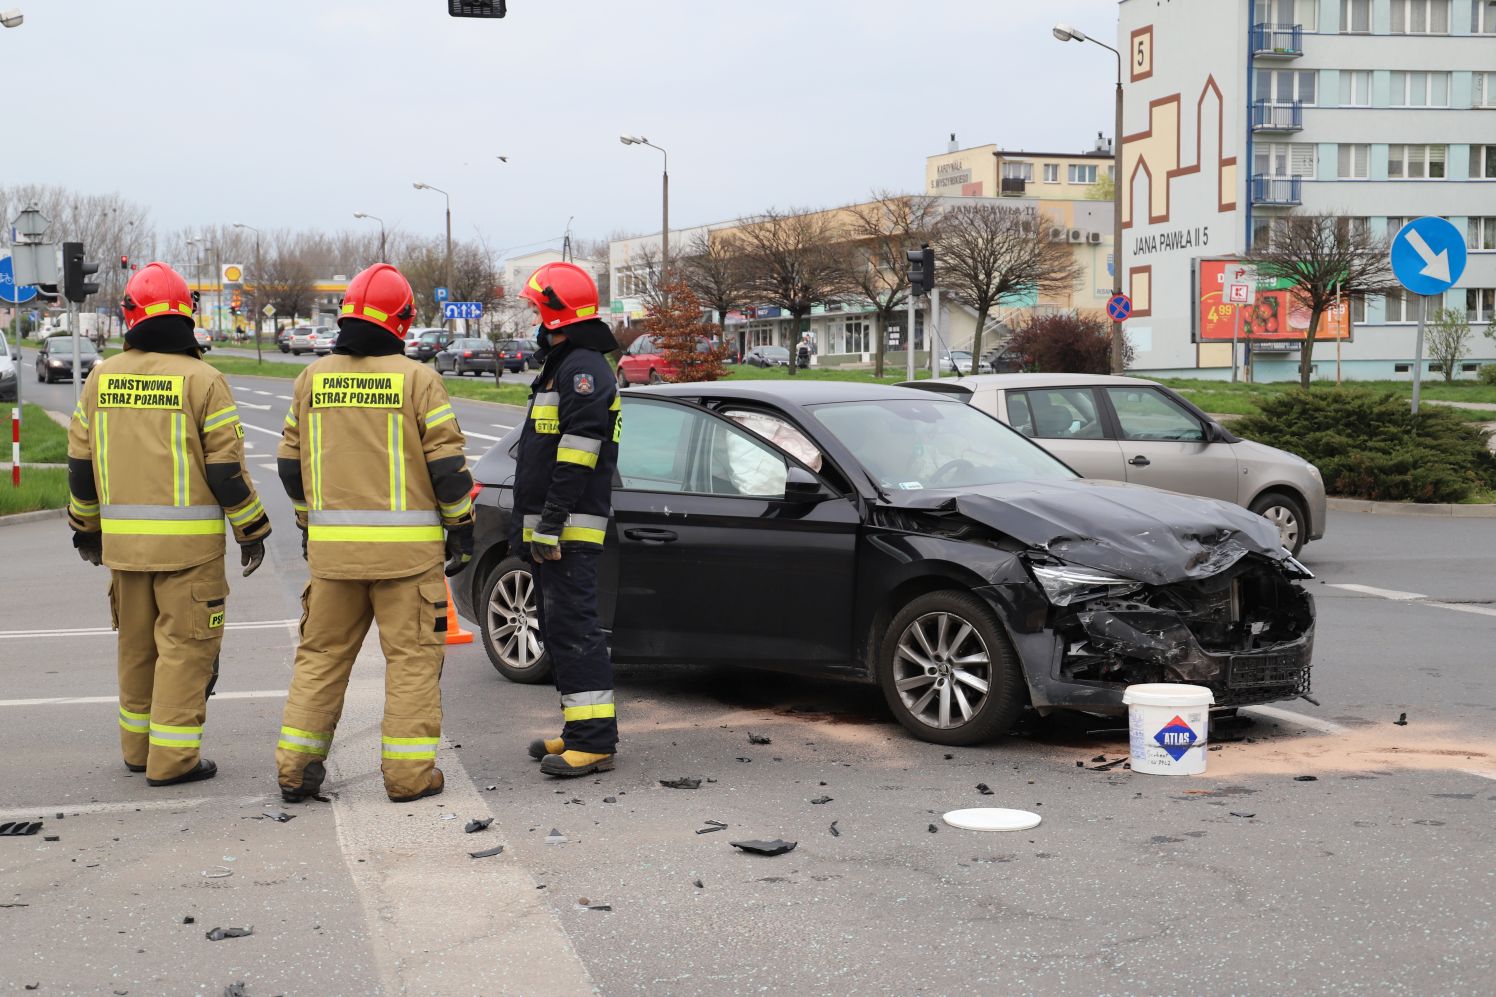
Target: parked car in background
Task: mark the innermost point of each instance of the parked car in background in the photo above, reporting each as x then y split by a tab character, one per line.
767	356
423	344
1135	430
283	340
204	339
516	355
54	360
643	363
323	340
10	370
919	544
959	362
466	356
1000	361
302	340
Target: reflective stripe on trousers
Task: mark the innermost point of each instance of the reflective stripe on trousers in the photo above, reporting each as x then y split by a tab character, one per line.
588	705
308	742
408	748
135	723
164	736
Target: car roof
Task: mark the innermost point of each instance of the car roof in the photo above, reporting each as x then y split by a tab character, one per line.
981	382
800	391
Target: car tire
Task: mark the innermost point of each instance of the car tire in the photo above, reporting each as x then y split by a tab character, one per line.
1287	514
507	605
623	379
918	705
654	377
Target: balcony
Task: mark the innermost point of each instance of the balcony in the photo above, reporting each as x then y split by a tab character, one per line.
1270	117
1278	41
1281	192
1014	186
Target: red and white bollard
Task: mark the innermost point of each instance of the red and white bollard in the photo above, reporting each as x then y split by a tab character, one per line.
15	446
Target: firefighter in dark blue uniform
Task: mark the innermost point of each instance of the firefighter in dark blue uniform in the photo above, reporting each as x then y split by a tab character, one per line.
563	488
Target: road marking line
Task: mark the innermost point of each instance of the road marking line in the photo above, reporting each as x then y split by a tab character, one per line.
127	806
104	631
1459	608
1481	773
284	398
268	467
90	700
262	408
482	436
261	429
257	391
1313	723
500	425
248	445
1392	594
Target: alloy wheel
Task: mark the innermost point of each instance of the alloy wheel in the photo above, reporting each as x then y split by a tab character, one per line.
513	622
942	670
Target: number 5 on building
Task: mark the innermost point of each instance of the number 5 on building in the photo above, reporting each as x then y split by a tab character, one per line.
1142	53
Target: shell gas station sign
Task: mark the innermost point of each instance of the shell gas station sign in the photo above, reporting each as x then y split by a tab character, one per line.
1270	313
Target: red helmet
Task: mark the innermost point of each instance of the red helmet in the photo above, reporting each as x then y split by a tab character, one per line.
381	295
154	290
564	292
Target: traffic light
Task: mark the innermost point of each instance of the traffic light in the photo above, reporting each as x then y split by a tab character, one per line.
124	262
921	269
194	302
75	271
476	8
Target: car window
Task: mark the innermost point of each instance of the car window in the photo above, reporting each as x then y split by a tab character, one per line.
654	451
1149	414
1061	413
735	462
780	433
1019	416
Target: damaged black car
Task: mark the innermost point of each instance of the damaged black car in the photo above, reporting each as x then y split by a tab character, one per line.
894	536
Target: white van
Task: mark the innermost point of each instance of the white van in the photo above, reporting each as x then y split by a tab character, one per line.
10	364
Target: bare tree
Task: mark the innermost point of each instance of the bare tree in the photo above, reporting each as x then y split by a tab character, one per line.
882	230
290	279
989	252
1448	339
795	260
712	266
1324	257
648	279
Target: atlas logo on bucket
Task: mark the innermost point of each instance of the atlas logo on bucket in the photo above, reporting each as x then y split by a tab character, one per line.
1176	737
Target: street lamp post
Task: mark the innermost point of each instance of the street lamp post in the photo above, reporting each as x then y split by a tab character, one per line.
259	357
1066	33
426	186
383	256
664	201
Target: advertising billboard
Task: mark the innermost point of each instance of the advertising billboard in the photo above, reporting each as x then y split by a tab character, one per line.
1273	316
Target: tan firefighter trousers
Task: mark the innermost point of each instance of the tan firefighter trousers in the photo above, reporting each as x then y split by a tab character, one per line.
336	613
170	627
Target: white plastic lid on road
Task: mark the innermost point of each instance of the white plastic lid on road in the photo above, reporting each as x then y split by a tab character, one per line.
992	819
1169	694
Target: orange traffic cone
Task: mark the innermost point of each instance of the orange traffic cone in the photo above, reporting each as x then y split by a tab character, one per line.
455	633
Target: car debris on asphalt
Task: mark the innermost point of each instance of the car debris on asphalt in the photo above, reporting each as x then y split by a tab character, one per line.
236	990
984	789
834	832
1306	778
218	872
487	852
585	904
1237	813
219	934
19	828
819	800
776	847
684	782
477	824
758	739
279	816
1402	720
556	838
991	819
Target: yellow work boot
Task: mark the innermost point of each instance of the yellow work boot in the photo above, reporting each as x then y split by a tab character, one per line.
572	763
542	746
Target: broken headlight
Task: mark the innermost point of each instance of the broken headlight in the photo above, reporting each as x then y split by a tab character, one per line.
1065	584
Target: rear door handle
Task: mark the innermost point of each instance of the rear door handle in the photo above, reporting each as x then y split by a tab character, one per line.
1140	461
649	536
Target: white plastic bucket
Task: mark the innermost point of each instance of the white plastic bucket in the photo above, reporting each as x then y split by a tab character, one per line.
1168	727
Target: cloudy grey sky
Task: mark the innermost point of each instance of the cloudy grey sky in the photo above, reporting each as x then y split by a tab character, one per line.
298	113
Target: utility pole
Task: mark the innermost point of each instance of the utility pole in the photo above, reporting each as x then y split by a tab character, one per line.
259	356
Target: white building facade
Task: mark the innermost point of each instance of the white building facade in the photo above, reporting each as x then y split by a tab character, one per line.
1240	111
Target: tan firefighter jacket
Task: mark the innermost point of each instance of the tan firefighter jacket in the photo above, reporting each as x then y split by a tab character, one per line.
156	461
372	457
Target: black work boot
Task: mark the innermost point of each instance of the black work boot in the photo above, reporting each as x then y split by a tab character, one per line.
205	770
311	783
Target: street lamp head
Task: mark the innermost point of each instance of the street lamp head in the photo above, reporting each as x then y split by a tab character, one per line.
359	214
632	139
420	186
240	225
1066	33
12	18
503	159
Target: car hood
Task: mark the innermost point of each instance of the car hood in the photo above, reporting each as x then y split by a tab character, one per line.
1252	450
1150	536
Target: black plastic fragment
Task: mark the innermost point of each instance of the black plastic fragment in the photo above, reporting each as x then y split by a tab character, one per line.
834	832
709	830
933	829
610	799
1306	778
236	990
219	934
758	739
700	885
949	757
19	828
984	789
1107	766
477	824
1402	720
34	986
742	759
279	816
820	800
776	847
487	852
684	782
189	919
51	837
1236	813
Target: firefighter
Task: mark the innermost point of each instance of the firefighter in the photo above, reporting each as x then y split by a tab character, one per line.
568	451
155	462
372	458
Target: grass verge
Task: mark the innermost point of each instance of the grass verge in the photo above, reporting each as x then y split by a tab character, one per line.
42	440
40	489
474	389
1246	399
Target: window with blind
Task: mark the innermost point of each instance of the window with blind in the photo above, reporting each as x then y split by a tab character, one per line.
1082	174
1480	304
1355	16
1483	17
1018	171
1420	17
1483	90
1355	161
1287	13
1420	89
1481	233
1416	162
1284	86
1355	88
1285	159
1398	307
1051	172
1483	162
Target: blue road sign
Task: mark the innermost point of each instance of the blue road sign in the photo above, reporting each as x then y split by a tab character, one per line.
441	295
1428	255
1119	306
8	290
462	309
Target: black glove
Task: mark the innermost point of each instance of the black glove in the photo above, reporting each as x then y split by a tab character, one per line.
303	543
459	547
90	546
250	556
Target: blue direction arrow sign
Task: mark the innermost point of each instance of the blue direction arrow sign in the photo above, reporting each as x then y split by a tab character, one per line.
462	309
441	295
1428	255
8	289
1119	306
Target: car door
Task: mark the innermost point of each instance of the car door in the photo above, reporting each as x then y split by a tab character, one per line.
1066	421
630	364
718	563
1165	445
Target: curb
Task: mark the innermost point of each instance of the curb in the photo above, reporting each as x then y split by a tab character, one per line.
1445	510
22	518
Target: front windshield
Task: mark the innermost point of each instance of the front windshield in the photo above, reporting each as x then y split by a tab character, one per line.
912	444
64	345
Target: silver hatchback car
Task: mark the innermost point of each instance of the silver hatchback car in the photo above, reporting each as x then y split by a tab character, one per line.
1134	430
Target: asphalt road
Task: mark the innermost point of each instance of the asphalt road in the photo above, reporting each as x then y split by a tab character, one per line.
1375	877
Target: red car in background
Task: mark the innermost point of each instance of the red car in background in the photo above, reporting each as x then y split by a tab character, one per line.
643	363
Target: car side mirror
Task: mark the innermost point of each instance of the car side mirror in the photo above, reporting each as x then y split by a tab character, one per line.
1214	433
802	486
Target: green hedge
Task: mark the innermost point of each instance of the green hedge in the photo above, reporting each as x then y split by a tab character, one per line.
1368	445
